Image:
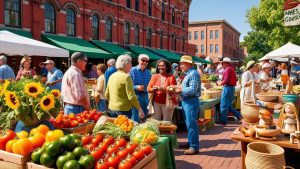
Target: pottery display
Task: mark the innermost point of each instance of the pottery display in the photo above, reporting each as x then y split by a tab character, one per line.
250	112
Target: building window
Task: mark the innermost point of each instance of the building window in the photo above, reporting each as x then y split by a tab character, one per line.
202	35
127	33
161	36
173	42
150	7
196	48
211	34
182	21
190	35
137	5
108	30
211	48
12	13
148	37
196	35
71	22
95	27
162	11
217	34
137	35
49	18
173	16
183	44
202	49
217	48
128	3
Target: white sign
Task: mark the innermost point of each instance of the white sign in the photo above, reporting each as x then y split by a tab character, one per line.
292	16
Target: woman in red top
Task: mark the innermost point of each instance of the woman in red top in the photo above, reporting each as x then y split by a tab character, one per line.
26	70
159	85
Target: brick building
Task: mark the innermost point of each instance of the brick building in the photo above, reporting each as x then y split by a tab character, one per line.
215	39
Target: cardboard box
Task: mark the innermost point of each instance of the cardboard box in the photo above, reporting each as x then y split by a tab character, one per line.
12	161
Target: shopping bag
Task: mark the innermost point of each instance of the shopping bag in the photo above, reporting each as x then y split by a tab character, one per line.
172	100
150	105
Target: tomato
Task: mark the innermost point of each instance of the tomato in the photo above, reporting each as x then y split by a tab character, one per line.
74	123
86	139
5	137
22	134
123	153
36	155
85	121
67	123
71	115
147	149
131	147
113	161
90	147
53	148
96	117
22	147
132	159
54	135
47	160
109	140
101	165
67	142
63	159
121	142
124	164
71	164
103	146
97	153
139	155
79	119
43	129
86	162
112	148
37	140
78	143
97	139
9	145
80	151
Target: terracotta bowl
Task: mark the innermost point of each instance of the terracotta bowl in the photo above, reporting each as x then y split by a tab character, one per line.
250	112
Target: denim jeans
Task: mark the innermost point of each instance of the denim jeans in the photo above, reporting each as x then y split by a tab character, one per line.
226	104
102	105
20	126
143	100
73	109
113	113
191	110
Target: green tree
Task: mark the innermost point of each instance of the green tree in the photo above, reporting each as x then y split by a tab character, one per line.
268	31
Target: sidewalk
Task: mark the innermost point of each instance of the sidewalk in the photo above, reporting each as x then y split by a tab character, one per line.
217	150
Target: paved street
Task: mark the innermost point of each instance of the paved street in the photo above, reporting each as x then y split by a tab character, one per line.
217	150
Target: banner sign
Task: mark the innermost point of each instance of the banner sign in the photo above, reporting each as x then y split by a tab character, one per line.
291	13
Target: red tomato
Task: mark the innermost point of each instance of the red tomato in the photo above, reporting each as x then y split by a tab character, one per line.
74	123
113	161
103	146
97	153
139	155
121	142
147	149
101	165
79	119
5	137
123	153
131	147
112	148
124	164
132	159
96	117
86	139
66	123
109	140
97	139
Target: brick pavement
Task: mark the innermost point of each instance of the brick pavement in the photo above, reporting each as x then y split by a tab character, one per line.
217	150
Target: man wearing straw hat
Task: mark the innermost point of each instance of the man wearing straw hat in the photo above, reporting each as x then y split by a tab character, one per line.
229	82
190	93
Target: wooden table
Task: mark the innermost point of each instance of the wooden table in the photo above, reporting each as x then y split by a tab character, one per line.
281	141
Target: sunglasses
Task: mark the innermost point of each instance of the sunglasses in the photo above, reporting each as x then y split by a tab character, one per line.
146	61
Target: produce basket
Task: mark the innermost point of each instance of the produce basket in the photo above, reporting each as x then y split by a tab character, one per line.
81	129
266	98
12	161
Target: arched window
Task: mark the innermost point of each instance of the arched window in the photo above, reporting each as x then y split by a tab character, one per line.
108	30
137	34
71	22
161	39
150	7
49	18
148	37
12	13
95	27
173	15
127	33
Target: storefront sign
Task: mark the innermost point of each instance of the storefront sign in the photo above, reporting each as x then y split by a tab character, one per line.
291	13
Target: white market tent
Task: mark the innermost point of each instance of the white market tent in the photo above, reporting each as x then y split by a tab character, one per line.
12	44
285	52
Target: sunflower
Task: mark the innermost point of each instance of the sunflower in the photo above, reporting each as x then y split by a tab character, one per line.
47	102
33	89
4	87
12	100
56	93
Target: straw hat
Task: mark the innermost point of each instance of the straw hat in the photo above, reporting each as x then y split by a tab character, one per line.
250	64
186	59
266	65
49	62
226	60
25	58
242	67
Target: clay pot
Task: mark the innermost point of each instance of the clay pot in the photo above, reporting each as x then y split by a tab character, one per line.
250	112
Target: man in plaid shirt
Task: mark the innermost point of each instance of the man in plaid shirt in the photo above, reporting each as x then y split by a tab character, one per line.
141	76
190	93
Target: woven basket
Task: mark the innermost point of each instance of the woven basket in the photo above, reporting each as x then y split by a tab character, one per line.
264	155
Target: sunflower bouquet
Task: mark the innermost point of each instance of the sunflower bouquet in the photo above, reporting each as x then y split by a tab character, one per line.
27	100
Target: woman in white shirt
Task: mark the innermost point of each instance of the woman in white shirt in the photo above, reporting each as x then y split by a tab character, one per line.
99	89
247	86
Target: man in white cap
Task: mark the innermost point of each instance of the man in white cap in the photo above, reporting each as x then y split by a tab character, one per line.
54	75
229	82
111	68
6	71
140	76
190	93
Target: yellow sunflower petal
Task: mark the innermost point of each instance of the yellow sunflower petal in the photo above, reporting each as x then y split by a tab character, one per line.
4	87
11	100
56	93
33	89
47	102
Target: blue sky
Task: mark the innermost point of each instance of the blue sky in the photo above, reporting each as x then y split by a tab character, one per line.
233	11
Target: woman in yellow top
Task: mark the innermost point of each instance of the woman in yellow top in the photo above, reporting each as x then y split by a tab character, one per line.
119	91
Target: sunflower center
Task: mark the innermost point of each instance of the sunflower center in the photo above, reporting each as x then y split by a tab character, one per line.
33	90
13	99
46	102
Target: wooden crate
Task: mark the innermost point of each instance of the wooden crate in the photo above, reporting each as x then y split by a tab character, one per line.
170	129
12	161
31	165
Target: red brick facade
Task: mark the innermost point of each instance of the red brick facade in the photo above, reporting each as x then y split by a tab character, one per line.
215	39
33	19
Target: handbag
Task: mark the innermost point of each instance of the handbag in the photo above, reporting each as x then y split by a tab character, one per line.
150	106
172	100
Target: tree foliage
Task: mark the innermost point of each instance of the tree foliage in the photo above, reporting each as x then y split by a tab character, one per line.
268	30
